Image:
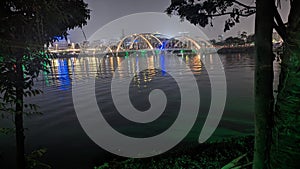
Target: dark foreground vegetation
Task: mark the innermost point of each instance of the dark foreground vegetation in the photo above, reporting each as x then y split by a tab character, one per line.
210	155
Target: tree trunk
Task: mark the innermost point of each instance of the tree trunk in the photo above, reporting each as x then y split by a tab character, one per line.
285	149
264	100
20	138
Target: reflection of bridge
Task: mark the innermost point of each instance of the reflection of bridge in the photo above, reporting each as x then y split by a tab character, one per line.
150	42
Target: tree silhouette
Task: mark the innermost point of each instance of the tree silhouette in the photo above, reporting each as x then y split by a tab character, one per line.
25	27
277	131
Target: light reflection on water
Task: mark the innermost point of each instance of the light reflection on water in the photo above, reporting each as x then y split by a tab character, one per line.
63	70
59	131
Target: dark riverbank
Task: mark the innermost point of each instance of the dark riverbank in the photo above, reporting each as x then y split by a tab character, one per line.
226	50
207	155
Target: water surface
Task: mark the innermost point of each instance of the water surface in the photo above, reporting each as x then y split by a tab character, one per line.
68	146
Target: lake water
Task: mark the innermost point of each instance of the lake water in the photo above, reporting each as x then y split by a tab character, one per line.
59	130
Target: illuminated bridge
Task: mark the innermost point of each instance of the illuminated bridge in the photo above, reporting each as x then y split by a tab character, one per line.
149	42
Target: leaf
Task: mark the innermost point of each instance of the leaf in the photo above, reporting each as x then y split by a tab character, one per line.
33	162
235	164
6	131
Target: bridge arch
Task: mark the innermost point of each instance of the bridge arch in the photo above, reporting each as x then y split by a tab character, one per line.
101	48
194	42
150	41
135	37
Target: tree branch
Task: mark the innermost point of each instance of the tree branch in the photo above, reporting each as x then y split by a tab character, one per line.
243	5
279	31
229	13
279	27
278	18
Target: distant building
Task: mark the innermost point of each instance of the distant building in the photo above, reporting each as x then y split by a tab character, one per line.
61	43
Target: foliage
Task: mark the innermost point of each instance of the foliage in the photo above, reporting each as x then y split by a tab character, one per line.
34	23
244	39
33	162
202	12
26	27
32	63
234	41
6	131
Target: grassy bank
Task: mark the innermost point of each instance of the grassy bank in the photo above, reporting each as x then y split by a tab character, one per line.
213	155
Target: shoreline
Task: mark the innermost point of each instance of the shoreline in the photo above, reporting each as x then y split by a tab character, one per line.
246	49
214	154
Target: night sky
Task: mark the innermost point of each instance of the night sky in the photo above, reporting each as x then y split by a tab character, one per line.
105	11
